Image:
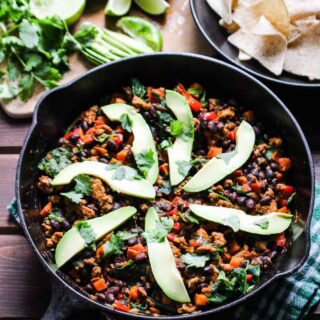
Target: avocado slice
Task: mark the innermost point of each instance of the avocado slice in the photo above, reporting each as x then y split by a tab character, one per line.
271	223
72	242
143	139
182	148
126	183
163	264
224	164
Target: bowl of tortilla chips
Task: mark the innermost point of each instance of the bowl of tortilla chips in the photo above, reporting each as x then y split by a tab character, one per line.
277	40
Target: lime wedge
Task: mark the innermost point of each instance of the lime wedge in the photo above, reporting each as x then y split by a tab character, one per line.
117	7
143	30
70	10
153	6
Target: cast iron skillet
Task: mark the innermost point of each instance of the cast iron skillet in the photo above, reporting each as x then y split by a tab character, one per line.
59	107
208	23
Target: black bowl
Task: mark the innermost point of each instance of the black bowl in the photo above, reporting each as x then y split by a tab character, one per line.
208	23
59	107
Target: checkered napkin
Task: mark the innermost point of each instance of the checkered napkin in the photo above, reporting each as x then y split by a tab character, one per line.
289	298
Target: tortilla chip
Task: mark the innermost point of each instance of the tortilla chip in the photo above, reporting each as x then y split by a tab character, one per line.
231	28
247	15
264	43
242	56
302	54
302	8
223	8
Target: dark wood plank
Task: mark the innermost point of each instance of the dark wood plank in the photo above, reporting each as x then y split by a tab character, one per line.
8	165
12	133
24	288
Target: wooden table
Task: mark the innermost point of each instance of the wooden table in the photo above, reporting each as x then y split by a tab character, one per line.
24	287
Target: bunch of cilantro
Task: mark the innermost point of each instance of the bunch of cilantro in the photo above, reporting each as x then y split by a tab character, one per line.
32	51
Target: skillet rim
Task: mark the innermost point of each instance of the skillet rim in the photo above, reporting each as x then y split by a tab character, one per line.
226	56
192	56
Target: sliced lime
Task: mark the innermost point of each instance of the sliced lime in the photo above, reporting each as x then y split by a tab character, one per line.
153	6
70	10
143	30
117	7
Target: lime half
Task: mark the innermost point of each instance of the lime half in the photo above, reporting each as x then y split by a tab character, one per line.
143	30
153	6
117	7
68	10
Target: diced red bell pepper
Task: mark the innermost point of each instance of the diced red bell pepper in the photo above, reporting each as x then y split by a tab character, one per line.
121	306
283	202
47	209
281	240
173	212
155	94
238	172
194	104
179	202
255	186
209	116
176	226
87	139
232	135
245	188
170	236
249	277
118	139
98	123
287	190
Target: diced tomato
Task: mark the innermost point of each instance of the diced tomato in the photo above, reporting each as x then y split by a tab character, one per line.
133	251
121	306
209	116
255	186
249	277
283	202
287	190
119	296
281	240
194	104
176	226
47	209
170	236
232	135
238	172
68	135
179	202
246	188
74	131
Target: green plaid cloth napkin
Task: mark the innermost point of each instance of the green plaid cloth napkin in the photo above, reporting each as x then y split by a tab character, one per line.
287	299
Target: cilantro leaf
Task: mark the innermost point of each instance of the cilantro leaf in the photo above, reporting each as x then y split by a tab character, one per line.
83	184
165	144
126	122
165	188
263	224
126	235
227	156
73	196
113	246
159	233
194	261
26	86
191	218
8	90
55	161
145	161
232	221
87	233
176	127
195	91
13	72
29	34
119	173
56	217
183	167
33	61
87	34
138	89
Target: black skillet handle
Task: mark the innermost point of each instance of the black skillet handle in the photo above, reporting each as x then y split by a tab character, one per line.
62	303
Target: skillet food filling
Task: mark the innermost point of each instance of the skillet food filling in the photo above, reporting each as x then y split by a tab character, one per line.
166	201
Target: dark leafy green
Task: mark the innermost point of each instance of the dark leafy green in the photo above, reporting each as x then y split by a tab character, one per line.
126	122
138	89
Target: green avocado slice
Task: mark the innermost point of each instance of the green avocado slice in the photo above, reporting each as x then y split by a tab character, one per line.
125	182
163	264
182	148
224	164
271	223
143	139
72	242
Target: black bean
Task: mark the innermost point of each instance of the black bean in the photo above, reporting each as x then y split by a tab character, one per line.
274	166
269	174
202	152
220	125
255	171
89	288
104	160
101	296
265	200
241	201
274	181
112	145
212	127
132	241
226	143
204	124
256	130
74	138
110	298
84	125
249	166
263	184
116	205
262	174
261	161
140	257
208	270
153	111
99	112
113	290
61	141
118	283
233	196
83	154
65	224
250	204
55	224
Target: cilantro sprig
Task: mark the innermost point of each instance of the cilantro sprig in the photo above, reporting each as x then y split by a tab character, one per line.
81	189
159	233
